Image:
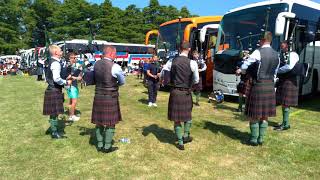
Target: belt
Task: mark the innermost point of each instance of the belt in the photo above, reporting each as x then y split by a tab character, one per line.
182	89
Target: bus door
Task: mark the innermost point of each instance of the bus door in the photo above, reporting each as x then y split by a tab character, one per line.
302	33
208	37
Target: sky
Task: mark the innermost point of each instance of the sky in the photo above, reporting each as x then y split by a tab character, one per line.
198	7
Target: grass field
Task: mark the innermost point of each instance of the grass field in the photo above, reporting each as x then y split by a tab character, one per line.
217	151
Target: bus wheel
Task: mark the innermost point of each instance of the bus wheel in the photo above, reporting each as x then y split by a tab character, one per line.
315	83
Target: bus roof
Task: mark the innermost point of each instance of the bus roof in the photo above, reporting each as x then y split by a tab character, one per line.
101	42
201	19
307	3
10	57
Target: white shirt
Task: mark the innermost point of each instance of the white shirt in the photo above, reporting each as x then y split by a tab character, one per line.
193	66
254	57
56	69
293	59
201	61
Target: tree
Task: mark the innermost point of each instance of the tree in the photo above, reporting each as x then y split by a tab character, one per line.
184	12
22	22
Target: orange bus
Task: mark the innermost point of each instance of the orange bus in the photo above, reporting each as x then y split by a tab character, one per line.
201	32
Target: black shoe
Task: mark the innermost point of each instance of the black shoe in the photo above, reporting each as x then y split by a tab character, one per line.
197	104
112	149
250	143
180	147
48	131
187	140
56	135
99	149
281	128
260	143
239	110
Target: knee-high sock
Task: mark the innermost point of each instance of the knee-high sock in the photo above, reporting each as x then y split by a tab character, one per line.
99	135
109	132
187	127
178	131
53	123
263	125
241	101
285	113
254	128
197	96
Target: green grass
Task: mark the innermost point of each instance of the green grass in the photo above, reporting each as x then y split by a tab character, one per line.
216	153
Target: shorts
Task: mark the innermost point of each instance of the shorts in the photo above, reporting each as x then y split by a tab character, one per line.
73	92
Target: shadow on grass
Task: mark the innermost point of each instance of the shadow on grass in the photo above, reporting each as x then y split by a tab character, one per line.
310	103
162	134
240	116
229	131
143	101
84	131
224	107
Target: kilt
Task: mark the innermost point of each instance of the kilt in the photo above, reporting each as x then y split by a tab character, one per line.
106	108
53	102
244	86
287	92
197	87
180	105
261	101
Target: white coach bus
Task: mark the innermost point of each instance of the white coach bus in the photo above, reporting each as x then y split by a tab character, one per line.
241	29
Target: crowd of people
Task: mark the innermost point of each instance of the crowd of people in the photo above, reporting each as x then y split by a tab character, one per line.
9	66
258	71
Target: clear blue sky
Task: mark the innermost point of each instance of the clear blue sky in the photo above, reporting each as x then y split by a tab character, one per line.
199	7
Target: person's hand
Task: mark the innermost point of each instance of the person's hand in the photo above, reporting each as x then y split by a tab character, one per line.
238	72
69	77
69	82
155	76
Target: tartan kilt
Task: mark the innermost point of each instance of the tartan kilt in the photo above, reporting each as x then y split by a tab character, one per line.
248	86
287	92
261	101
197	87
53	102
244	86
106	109
180	105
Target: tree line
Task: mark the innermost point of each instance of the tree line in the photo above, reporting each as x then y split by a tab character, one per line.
23	22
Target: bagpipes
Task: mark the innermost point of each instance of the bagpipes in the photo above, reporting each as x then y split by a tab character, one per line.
87	69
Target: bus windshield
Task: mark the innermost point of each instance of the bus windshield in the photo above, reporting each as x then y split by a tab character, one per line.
168	36
242	29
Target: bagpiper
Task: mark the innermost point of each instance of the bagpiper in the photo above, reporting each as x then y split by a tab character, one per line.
287	91
53	96
184	73
108	76
261	101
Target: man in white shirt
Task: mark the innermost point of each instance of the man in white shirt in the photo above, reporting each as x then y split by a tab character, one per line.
53	97
261	101
287	91
184	73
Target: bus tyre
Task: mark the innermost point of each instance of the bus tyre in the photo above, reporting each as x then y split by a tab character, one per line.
314	83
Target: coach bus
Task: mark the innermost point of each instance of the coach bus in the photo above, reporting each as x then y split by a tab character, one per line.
293	20
201	32
126	53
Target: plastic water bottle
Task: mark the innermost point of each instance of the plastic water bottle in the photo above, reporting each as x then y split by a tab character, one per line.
124	140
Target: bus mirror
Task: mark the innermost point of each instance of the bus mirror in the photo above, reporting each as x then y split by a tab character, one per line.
281	22
203	31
